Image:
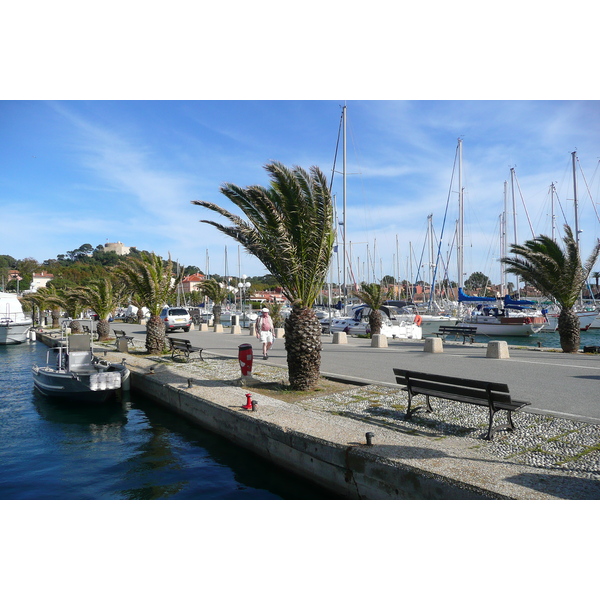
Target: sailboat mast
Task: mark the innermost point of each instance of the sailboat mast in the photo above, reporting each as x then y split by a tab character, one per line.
574	155
344	201
552	192
503	240
461	216
512	187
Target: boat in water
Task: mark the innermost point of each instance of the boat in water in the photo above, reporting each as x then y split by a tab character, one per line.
72	372
588	319
502	318
394	324
14	324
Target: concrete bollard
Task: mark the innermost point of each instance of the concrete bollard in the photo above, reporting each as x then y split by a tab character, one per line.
122	345
236	329
252	329
434	345
497	349
279	332
340	337
379	340
218	328
203	327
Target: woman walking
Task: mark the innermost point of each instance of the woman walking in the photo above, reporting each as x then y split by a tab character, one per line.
264	331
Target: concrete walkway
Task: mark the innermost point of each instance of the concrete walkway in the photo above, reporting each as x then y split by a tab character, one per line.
557	384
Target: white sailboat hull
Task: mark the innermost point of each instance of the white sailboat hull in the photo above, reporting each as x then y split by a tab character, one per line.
507	326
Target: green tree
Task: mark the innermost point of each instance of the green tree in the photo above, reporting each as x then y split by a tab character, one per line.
558	274
102	297
373	295
289	228
596	276
152	280
477	281
46	298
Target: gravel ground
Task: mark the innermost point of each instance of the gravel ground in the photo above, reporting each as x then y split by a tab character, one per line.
569	447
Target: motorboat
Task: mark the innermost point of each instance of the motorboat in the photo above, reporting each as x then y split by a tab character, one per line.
394	324
14	324
72	372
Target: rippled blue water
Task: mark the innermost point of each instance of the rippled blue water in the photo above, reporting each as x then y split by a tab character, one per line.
591	337
127	449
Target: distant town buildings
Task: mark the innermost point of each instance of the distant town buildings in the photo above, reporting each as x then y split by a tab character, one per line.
40	280
190	283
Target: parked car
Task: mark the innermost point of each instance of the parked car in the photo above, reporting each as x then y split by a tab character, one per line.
176	318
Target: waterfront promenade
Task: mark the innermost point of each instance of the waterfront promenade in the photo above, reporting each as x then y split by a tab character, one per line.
438	456
557	384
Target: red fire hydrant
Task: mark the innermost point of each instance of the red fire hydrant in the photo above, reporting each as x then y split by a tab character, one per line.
245	358
248	402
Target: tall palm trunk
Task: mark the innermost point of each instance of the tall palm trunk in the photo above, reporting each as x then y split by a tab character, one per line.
303	346
375	322
569	330
103	329
155	335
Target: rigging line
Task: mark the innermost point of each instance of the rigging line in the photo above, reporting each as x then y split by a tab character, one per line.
524	205
420	263
439	252
587	187
337	145
562	210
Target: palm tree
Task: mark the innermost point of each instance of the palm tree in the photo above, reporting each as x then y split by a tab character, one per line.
74	306
152	280
373	295
596	276
290	230
557	274
46	298
103	299
218	293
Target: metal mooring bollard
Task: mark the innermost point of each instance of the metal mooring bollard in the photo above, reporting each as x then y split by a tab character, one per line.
189	383
254	405
370	437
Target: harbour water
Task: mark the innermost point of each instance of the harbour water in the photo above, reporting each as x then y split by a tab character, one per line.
547	339
129	448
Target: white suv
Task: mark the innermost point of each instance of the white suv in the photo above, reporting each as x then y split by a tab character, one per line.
176	318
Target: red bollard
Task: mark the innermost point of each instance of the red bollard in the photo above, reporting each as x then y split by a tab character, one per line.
245	358
248	402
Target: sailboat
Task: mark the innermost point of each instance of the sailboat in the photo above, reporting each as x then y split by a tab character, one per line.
502	317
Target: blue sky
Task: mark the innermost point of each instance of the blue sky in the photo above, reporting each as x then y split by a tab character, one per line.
110	127
78	172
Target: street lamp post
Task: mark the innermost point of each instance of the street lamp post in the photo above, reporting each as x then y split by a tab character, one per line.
243	286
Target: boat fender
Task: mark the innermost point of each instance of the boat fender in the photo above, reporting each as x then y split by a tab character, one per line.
418	320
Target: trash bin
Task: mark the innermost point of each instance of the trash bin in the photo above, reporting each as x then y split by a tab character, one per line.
245	358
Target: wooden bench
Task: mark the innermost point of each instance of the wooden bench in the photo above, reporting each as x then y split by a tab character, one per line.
466	332
482	393
121	334
184	347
